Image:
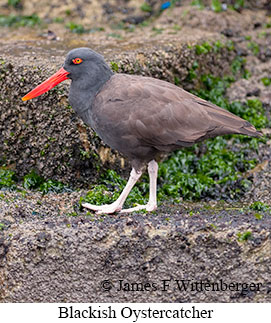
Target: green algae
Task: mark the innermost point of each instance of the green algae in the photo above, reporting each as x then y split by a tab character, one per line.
31	181
7	178
242	237
20	21
260	206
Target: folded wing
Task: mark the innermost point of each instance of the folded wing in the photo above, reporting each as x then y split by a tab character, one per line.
164	116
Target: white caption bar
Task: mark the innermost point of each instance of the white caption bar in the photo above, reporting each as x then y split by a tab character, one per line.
134	312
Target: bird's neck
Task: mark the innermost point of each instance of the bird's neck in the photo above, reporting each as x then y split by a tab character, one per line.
83	91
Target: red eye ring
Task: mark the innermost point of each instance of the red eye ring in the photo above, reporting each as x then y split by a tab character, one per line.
77	60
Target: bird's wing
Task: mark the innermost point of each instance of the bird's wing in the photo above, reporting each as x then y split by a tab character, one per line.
161	114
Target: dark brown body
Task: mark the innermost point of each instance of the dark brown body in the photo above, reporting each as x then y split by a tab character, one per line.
142	117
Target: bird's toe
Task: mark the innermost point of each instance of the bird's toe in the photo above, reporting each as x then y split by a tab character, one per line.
92	206
108	209
103	209
151	207
148	207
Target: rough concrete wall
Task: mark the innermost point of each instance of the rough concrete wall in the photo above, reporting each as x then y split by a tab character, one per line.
68	259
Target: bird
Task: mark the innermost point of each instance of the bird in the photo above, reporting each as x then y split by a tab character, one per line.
139	116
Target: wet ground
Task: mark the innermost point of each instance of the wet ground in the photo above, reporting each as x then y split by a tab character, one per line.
28	206
62	258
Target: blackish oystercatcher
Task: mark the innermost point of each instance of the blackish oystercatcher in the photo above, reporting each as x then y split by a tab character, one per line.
141	117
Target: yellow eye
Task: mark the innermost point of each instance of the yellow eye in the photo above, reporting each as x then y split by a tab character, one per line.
77	61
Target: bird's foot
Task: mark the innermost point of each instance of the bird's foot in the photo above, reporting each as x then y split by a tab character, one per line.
148	207
103	209
114	208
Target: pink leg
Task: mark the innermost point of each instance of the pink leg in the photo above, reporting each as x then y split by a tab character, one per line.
117	205
152	204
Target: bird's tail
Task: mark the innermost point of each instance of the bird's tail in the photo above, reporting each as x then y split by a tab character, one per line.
226	123
249	130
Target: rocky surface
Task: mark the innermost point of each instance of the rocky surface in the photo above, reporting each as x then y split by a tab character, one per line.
49	255
49	258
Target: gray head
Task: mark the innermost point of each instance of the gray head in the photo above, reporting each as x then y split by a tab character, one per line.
88	72
86	66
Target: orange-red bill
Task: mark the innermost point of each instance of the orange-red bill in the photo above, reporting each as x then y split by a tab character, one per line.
47	85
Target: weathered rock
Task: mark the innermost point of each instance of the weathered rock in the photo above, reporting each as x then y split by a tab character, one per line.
209	20
45	134
92	12
76	259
